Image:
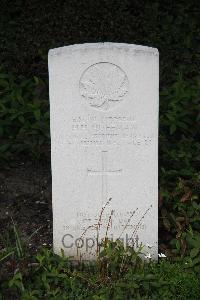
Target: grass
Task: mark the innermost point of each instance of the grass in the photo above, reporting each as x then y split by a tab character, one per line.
49	276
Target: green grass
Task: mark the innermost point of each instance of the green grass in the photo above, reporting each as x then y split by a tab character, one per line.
118	273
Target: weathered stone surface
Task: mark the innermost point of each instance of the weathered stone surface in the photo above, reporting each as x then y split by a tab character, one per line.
104	142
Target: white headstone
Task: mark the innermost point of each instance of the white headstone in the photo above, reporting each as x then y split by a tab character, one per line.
104	143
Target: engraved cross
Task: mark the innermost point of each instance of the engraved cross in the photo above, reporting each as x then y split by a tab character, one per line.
104	172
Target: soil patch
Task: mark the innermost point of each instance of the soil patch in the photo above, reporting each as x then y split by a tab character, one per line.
25	197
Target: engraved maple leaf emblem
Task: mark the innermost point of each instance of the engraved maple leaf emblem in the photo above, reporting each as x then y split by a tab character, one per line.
103	85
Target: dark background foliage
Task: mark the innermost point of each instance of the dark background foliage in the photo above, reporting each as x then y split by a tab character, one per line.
29	28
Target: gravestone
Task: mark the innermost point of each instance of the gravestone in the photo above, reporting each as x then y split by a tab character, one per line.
104	143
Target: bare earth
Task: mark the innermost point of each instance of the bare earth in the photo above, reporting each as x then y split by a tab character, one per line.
25	197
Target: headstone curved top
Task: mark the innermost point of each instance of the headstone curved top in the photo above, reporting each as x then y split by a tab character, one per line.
104	143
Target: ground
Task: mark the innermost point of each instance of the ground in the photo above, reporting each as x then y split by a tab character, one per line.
25	196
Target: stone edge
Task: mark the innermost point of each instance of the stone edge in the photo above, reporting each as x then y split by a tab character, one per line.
106	45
